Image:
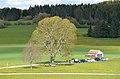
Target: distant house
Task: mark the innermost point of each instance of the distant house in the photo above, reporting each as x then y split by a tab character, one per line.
94	54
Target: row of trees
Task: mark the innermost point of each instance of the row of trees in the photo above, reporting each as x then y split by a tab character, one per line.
105	10
10	14
105	16
105	30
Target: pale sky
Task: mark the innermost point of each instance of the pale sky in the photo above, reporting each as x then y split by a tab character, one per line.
24	4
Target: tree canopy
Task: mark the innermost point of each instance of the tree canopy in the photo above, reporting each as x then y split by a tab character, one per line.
54	36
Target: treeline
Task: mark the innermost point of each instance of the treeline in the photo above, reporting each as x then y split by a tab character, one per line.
105	10
10	14
105	30
82	14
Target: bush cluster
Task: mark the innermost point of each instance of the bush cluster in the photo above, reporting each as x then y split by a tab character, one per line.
22	22
4	24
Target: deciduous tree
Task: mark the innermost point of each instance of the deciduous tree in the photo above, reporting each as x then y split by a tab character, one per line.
54	36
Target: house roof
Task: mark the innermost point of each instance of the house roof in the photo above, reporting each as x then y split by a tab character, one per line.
93	51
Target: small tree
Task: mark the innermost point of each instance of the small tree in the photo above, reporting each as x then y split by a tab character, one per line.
74	21
39	17
89	31
2	25
54	36
31	53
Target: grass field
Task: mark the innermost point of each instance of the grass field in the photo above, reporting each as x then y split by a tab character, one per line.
83	40
16	34
21	34
111	66
58	77
14	38
11	54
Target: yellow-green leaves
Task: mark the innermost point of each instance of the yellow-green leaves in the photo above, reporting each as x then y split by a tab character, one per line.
54	35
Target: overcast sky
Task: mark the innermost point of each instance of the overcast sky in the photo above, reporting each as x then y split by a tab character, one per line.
24	4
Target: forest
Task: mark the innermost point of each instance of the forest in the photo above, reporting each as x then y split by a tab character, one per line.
102	19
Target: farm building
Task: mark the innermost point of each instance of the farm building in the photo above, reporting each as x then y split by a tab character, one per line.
94	54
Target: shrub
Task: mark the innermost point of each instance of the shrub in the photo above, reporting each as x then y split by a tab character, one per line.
6	23
74	21
27	18
2	25
23	22
16	23
28	23
20	22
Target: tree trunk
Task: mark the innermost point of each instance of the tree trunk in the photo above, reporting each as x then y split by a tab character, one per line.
30	64
51	59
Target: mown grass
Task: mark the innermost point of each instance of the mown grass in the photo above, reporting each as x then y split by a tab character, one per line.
16	34
58	77
109	51
14	38
82	39
12	55
111	66
21	34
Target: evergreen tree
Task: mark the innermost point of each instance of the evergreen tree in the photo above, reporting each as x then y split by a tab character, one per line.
114	29
25	13
101	29
89	33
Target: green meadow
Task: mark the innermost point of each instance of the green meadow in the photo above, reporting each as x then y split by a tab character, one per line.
14	38
59	77
16	34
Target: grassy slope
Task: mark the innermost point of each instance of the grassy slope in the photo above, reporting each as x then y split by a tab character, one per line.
21	34
82	40
18	35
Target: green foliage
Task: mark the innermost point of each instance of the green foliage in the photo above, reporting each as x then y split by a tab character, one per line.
25	13
90	30
10	14
4	24
27	18
106	10
23	22
114	29
102	29
54	35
